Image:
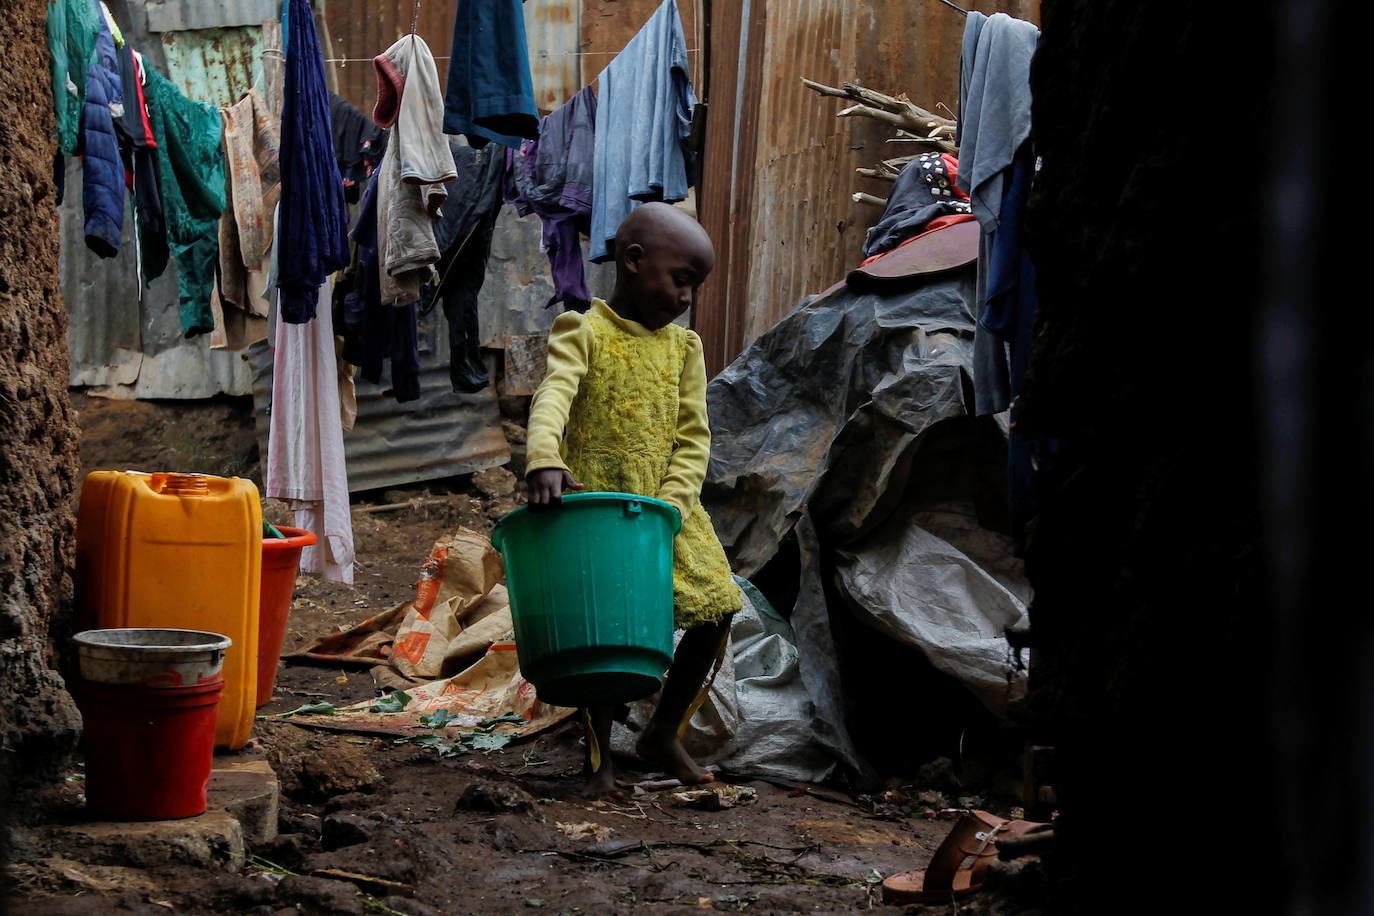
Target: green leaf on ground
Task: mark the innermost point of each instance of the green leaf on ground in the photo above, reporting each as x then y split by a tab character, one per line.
395	702
487	725
437	719
488	742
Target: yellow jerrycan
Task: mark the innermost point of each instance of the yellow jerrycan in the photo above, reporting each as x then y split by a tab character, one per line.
181	551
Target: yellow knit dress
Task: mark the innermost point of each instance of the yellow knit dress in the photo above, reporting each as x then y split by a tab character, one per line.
623	409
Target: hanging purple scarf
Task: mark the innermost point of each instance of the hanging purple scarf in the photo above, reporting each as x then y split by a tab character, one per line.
313	218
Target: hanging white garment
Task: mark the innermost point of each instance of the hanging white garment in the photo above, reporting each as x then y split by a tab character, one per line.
305	451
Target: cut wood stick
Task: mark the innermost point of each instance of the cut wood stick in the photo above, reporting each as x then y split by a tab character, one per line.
883	100
367	883
903	107
824	89
878	114
408	504
938	144
879	174
654	785
860	197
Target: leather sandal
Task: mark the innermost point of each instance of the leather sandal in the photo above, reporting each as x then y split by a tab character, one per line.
956	869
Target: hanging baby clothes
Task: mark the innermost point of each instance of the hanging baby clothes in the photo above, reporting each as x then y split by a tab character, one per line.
102	177
138	147
643	115
410	190
490	92
552	177
314	215
305	453
190	171
251	145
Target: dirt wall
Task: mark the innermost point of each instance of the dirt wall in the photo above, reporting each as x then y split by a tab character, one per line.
38	439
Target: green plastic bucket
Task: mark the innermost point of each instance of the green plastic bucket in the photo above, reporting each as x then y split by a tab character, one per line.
591	594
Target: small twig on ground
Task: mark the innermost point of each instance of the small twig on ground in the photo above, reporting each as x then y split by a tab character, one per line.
417	503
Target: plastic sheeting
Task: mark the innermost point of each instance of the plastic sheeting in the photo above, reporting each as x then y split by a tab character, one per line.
923	591
756	719
824	407
844	437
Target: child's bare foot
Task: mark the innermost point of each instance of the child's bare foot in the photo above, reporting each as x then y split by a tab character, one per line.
603	785
663	748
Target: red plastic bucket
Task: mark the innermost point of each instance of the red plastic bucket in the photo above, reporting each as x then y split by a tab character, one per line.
149	749
281	558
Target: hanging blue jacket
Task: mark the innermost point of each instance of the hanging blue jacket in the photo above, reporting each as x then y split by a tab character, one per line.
102	170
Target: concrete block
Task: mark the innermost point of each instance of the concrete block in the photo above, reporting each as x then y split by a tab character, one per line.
248	790
211	840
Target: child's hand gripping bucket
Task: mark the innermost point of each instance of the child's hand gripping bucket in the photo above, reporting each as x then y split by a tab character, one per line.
591	594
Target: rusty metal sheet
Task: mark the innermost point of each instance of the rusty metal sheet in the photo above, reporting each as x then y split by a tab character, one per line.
793	207
442	434
104	345
518	283
552	28
527	359
358	31
726	192
608	25
130	347
180	15
214	65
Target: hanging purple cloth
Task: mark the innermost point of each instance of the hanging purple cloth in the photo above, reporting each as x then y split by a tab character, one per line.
313	217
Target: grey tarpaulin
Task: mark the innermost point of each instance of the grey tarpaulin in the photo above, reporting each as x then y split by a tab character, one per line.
827	404
832	435
922	590
756	720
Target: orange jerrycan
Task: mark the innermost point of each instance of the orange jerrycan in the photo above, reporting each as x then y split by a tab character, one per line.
180	551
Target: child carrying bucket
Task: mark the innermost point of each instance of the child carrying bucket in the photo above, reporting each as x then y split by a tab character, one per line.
623	409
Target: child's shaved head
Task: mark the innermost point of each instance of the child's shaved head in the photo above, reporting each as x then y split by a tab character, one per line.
657	226
661	255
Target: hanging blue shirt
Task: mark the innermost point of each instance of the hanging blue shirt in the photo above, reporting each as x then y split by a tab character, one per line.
643	115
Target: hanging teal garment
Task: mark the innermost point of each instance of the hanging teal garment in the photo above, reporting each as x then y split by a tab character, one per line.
191	173
73	26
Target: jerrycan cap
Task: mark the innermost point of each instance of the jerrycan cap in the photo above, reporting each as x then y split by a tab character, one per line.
172	484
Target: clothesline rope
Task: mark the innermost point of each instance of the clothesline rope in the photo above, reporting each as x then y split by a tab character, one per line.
368	60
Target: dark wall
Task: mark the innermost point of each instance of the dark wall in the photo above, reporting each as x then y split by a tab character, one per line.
1152	617
38	439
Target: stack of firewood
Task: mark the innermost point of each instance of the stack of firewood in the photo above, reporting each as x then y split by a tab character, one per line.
914	125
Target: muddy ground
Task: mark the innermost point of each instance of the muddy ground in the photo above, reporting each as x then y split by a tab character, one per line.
499	832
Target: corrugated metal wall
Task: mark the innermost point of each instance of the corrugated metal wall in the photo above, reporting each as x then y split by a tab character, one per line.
360	30
608	25
802	231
